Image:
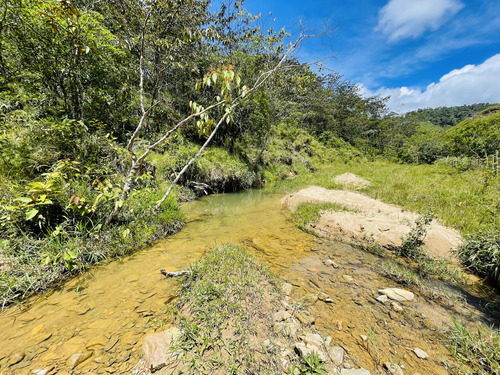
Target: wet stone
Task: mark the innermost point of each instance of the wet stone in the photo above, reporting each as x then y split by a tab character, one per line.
15	358
305	318
383	298
111	343
397	307
77	358
348	278
357	371
397	294
420	353
393	369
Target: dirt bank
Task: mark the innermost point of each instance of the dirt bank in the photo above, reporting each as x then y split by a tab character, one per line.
370	219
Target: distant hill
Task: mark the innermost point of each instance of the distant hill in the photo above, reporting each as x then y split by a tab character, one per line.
476	135
446	116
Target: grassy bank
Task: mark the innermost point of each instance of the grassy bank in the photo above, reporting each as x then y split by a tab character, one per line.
468	201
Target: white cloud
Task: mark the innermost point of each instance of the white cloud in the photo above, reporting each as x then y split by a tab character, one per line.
468	85
401	19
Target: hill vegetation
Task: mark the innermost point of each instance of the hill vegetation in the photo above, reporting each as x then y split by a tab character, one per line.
103	105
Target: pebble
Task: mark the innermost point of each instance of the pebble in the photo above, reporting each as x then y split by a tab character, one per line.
393	369
420	353
397	307
281	316
336	354
348	278
77	358
314	339
330	262
397	294
306	350
383	298
305	318
357	371
287	288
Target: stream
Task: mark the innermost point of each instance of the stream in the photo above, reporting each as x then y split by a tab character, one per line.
96	323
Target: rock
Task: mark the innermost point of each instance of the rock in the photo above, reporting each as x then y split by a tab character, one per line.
348	278
77	358
336	355
393	369
286	328
42	371
305	318
420	353
397	307
356	371
313	339
306	350
364	337
383	298
339	325
111	343
96	341
15	358
156	347
281	316
330	262
398	294
287	288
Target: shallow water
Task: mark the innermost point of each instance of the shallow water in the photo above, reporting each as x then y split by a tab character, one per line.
102	317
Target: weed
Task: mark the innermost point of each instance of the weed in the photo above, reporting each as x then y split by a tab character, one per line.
312	365
480	352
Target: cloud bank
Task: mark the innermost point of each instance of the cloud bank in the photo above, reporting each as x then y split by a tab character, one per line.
468	85
402	19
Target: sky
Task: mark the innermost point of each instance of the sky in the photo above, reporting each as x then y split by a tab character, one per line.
421	53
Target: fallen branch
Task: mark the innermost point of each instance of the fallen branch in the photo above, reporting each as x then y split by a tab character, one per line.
174	274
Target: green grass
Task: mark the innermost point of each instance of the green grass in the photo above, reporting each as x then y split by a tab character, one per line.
480	351
307	213
225	309
466	201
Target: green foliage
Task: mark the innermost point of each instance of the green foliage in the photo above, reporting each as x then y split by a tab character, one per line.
410	247
481	254
445	116
475	136
479	352
307	213
312	365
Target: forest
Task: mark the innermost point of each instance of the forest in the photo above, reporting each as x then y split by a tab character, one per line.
112	112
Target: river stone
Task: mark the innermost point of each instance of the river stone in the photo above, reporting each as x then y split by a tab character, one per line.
77	358
397	307
355	371
393	369
420	353
383	298
281	316
156	347
111	343
348	278
336	354
305	318
287	288
397	294
15	358
314	339
306	350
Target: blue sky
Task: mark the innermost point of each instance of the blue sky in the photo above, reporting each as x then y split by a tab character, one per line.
423	53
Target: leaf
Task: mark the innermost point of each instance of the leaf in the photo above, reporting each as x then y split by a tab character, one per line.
31	214
24	199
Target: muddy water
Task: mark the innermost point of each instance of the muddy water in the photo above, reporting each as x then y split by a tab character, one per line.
96	323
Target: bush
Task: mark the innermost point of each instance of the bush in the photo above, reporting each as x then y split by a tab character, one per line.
481	254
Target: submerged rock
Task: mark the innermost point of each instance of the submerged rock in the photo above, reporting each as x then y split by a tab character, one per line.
420	353
355	371
156	347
